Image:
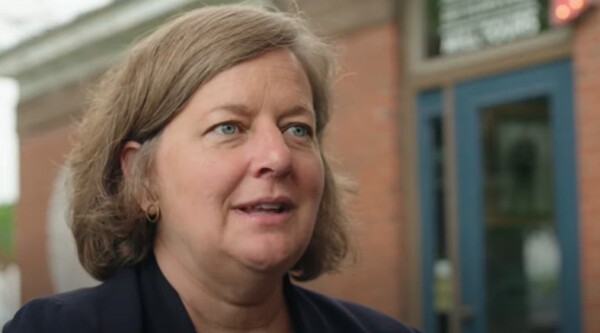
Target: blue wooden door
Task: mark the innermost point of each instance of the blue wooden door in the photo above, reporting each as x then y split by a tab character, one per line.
518	259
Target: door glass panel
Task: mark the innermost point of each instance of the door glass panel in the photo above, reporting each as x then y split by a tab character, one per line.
521	248
442	269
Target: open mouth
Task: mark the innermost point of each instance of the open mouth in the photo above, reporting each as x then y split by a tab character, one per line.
278	207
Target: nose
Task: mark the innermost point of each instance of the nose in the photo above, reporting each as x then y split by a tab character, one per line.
271	156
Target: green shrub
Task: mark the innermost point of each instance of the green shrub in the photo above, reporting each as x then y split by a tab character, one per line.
6	230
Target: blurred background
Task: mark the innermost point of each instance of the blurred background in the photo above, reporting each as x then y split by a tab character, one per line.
472	128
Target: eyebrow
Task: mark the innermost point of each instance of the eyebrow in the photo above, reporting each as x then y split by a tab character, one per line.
243	110
239	109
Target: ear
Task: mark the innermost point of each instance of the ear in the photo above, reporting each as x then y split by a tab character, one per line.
127	153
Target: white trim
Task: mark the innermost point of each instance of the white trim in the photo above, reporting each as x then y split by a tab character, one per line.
76	71
116	19
63	56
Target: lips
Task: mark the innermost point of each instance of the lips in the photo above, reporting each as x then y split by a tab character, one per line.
267	206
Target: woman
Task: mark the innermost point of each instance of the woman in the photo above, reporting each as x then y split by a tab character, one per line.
200	187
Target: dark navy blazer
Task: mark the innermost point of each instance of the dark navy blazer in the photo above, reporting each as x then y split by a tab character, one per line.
139	299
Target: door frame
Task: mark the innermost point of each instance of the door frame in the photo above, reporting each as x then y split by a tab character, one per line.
429	106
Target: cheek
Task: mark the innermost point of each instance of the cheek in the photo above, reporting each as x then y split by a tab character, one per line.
195	191
201	179
312	177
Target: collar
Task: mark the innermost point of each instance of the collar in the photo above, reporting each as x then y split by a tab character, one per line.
163	310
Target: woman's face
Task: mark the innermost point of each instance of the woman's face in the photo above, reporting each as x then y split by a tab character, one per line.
238	172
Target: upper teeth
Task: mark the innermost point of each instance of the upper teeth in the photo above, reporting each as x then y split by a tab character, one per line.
268	206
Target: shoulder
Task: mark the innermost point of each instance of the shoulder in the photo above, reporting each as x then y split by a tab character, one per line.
375	321
50	314
342	316
114	303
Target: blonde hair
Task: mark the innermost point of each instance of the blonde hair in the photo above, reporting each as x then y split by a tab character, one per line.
136	99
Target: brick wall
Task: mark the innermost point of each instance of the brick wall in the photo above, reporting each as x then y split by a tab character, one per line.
586	57
41	156
363	136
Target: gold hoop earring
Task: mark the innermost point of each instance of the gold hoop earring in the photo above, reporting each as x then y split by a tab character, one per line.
153	213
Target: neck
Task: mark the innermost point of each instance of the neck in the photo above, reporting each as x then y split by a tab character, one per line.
250	302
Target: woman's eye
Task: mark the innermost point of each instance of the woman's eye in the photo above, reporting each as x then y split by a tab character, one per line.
299	130
226	128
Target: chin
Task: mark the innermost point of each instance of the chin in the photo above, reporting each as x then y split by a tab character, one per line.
271	258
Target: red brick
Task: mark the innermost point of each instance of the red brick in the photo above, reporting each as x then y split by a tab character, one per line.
363	135
586	58
41	156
